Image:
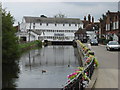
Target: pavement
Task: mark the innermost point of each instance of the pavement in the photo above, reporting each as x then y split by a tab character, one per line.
107	78
108	67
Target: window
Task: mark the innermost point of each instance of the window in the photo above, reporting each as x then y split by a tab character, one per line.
75	24
118	24
110	19
63	24
116	17
46	24
69	24
40	24
33	25
55	24
50	37
115	25
111	25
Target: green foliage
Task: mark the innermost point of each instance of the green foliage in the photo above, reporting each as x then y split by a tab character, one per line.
43	16
10	50
24	46
9	75
96	62
39	43
60	15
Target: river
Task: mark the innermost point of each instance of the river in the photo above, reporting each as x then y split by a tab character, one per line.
47	67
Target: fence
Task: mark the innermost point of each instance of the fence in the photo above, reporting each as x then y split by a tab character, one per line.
77	83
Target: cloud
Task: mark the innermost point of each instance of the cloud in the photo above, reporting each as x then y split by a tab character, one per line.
70	9
60	0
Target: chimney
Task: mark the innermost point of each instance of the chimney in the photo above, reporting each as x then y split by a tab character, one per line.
89	18
84	18
92	19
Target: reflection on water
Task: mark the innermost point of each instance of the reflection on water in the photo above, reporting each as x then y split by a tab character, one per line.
47	67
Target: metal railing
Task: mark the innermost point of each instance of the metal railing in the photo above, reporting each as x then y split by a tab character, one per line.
77	83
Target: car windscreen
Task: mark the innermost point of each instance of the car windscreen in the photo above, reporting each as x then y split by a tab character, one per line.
94	40
113	43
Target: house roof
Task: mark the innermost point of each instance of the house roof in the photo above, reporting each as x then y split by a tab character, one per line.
89	27
85	21
29	19
81	31
112	13
37	32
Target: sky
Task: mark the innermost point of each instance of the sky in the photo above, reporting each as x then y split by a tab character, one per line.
70	9
60	0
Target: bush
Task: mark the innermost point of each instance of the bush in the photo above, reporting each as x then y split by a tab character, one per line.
39	43
29	45
10	48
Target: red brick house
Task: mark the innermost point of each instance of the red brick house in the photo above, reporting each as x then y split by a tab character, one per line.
112	29
90	26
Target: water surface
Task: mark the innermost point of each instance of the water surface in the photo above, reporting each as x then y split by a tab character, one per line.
56	61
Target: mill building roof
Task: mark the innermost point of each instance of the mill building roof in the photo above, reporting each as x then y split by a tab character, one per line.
29	19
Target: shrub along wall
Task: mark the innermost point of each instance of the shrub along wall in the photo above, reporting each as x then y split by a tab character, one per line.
88	57
87	54
27	46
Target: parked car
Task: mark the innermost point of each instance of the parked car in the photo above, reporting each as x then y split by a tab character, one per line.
113	45
94	42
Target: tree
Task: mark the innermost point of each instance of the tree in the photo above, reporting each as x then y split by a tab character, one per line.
43	16
59	15
10	49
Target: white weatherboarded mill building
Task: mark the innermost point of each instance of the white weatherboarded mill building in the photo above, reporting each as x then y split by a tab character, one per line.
51	29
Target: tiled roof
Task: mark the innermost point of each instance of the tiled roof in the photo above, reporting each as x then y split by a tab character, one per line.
81	31
52	20
89	27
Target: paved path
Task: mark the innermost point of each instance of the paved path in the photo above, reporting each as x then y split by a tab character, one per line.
108	67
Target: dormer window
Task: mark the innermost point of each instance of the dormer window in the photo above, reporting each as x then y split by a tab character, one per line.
40	24
69	24
33	24
55	24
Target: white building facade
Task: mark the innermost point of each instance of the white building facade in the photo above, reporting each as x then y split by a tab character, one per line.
51	29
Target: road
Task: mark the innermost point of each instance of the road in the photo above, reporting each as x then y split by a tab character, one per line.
108	67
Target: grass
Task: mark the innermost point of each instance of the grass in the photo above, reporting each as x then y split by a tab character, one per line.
30	45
